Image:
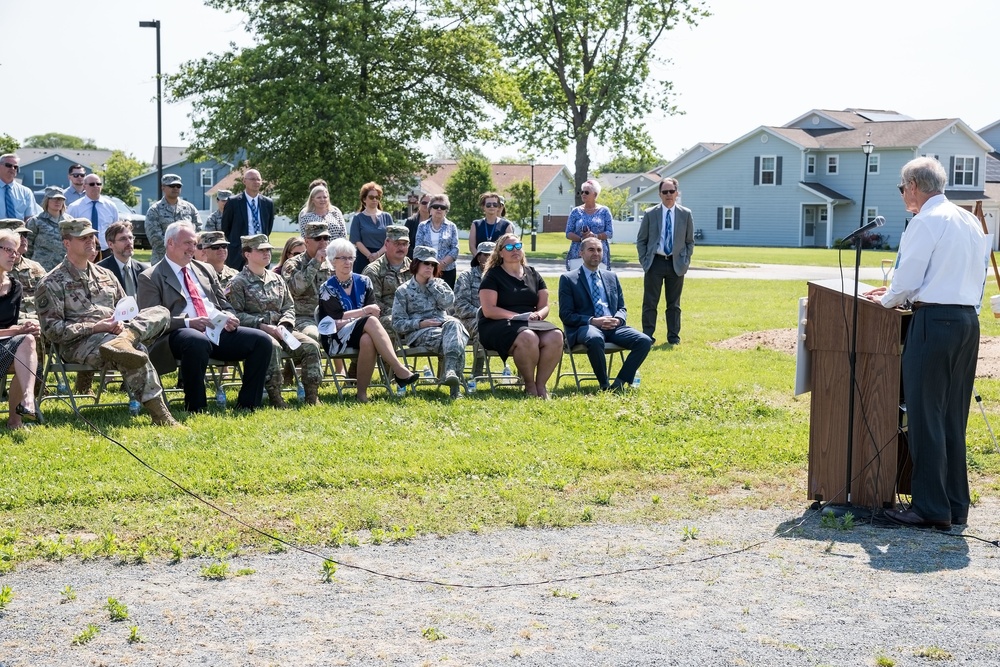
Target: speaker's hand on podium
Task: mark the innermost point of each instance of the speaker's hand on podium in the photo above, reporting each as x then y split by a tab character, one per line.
875	294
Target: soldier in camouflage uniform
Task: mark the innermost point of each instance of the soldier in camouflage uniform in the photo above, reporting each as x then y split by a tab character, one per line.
168	210
306	274
25	271
466	307
214	222
216	249
390	271
44	242
76	304
419	317
261	300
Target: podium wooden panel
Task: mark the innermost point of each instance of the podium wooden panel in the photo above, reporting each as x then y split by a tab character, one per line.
877	444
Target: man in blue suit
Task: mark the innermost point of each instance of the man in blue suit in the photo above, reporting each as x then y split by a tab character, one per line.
247	214
592	310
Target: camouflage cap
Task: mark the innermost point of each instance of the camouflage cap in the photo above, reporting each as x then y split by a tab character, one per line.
54	192
77	228
171	179
256	242
423	253
317	230
209	239
223	195
486	247
13	224
397	233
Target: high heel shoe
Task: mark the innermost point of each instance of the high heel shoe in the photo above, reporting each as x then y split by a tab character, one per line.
30	415
407	381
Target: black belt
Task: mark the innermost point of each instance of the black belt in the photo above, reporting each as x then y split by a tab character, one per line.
921	304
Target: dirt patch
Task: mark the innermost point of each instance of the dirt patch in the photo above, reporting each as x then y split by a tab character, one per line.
785	340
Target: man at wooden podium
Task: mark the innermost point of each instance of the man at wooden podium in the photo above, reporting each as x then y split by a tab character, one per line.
940	272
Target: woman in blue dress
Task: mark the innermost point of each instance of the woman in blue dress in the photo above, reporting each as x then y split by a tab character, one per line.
587	220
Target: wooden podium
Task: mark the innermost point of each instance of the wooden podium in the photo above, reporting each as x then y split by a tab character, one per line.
879	448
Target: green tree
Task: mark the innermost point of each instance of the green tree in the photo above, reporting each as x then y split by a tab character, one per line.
472	177
616	199
58	140
519	197
117	175
8	144
342	90
631	164
584	69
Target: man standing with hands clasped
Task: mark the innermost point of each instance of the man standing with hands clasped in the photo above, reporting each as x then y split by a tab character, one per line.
592	310
665	242
941	273
247	214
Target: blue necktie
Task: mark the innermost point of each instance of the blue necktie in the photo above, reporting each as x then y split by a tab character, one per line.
255	224
668	235
8	200
595	295
93	216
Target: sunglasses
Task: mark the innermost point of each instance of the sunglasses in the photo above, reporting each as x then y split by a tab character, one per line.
173	185
513	246
439	207
901	186
94	185
668	192
374	197
586	192
296	254
424	203
11	165
80	175
491	204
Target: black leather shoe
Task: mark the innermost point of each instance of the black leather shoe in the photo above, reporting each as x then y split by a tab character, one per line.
914	520
959	520
407	381
30	415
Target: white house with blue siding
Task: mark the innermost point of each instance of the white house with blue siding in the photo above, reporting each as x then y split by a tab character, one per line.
801	184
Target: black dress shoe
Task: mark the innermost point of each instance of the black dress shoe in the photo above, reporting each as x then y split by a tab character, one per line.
30	415
959	520
914	520
407	381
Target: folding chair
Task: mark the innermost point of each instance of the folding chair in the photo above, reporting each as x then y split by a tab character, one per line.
56	366
610	349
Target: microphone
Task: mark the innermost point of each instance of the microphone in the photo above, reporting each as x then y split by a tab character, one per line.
877	222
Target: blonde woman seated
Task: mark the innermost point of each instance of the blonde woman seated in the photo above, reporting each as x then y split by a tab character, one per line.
419	316
515	303
348	300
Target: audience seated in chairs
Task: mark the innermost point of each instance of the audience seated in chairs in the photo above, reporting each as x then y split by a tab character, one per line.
347	300
420	319
18	353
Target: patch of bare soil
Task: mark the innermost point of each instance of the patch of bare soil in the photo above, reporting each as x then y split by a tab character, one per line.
784	340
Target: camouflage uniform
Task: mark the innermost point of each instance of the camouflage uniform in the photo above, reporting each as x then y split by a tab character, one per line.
305	276
214	222
265	300
45	244
385	281
415	302
29	274
71	301
160	216
226	276
467	299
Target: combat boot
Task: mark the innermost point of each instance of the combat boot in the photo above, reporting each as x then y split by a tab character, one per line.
312	393
277	400
84	383
160	413
121	350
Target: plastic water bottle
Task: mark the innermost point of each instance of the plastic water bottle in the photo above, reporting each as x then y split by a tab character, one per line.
472	386
220	397
635	381
300	392
133	407
428	374
506	371
62	388
400	390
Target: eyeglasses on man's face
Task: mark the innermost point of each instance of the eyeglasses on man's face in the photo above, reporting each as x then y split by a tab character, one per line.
11	165
80	175
668	192
586	192
94	184
901	186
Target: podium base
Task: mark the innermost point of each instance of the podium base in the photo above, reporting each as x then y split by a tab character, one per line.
839	510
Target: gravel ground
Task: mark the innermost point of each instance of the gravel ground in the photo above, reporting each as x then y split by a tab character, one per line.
807	595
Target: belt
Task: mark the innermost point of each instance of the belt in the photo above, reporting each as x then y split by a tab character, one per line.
923	304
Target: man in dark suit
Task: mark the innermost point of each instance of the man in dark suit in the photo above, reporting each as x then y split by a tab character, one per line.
247	214
122	245
592	310
665	243
191	292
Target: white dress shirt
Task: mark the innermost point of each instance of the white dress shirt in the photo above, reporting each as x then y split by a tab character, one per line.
189	311
107	214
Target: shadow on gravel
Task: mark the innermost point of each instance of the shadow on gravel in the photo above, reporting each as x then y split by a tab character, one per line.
889	547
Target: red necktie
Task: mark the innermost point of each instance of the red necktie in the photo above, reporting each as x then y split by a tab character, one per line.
199	305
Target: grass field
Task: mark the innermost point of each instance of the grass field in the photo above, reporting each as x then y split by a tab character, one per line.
709	428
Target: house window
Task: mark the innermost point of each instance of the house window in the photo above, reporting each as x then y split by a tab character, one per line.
873	163
767	170
810	164
207	178
832	164
871	213
727	217
965	171
39	177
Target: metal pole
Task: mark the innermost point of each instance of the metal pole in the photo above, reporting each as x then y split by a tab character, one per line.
155	23
534	227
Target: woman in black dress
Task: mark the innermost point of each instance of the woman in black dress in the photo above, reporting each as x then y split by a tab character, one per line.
514	304
348	299
17	341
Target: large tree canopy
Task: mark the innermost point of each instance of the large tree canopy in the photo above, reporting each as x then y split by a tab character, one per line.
583	68
59	140
342	90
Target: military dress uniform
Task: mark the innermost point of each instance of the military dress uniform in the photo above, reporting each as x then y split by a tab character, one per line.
265	299
160	216
71	301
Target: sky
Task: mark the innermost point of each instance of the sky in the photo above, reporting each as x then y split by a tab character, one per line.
749	64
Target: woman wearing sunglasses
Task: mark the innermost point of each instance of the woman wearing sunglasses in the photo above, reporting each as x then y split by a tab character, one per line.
514	304
441	234
587	220
493	225
368	227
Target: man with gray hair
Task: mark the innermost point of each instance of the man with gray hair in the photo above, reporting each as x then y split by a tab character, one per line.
940	273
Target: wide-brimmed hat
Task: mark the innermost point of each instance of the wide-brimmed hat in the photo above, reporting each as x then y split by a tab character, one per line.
423	253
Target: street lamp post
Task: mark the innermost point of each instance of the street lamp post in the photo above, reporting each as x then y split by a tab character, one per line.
159	110
534	227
